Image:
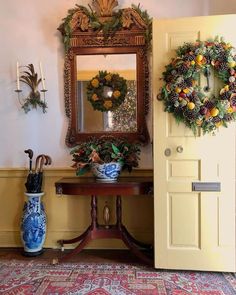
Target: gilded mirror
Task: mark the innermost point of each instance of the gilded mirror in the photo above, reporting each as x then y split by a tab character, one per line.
112	41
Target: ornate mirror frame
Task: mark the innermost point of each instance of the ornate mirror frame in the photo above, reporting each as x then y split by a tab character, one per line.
101	30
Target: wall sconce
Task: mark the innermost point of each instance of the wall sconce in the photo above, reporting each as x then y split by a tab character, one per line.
30	78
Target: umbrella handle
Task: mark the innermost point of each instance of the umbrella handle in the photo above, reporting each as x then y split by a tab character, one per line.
40	160
30	153
48	160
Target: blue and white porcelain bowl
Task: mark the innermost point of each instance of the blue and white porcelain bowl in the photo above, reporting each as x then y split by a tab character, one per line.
107	172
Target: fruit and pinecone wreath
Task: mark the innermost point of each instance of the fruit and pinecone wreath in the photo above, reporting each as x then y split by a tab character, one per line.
186	99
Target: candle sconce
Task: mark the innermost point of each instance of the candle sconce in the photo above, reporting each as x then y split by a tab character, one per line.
30	78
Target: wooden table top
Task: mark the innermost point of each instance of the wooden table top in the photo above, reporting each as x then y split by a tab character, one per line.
125	186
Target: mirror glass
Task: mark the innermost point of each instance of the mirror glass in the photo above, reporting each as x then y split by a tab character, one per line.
124	118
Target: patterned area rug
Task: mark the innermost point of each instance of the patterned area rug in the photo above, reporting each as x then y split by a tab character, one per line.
17	277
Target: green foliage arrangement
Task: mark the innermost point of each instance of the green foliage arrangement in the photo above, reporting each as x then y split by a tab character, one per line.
186	100
97	93
108	28
105	149
33	100
148	20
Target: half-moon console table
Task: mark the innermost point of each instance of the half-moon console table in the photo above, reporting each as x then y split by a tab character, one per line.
125	186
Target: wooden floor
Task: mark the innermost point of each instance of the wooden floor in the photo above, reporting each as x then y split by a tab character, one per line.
97	256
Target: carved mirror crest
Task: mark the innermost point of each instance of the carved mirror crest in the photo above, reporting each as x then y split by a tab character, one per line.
99	39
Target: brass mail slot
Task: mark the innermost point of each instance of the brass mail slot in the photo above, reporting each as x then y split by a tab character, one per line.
206	187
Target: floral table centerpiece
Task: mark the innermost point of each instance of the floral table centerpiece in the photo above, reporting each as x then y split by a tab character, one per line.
105	157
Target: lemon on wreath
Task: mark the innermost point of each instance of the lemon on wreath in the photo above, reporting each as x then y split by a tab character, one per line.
178	90
95	97
214	112
95	83
232	64
191	105
199	58
186	90
108	77
230	110
116	93
107	104
226	88
218	124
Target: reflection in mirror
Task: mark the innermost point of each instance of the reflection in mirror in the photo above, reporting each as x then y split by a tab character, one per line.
124	118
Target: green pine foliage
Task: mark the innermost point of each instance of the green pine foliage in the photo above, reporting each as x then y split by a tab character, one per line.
108	28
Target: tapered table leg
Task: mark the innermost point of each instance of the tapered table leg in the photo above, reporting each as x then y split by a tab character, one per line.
127	238
136	251
76	239
85	237
136	242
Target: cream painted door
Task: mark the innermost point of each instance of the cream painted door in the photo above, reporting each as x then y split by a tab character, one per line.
193	230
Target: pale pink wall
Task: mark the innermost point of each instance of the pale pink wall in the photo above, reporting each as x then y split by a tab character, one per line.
28	34
222	7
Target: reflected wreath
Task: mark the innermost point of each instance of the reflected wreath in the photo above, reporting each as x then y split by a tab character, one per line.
106	91
186	100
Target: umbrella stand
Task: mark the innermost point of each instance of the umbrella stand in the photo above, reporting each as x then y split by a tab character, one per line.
33	222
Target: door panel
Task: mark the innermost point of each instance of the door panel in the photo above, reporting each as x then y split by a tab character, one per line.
174	130
183	234
193	230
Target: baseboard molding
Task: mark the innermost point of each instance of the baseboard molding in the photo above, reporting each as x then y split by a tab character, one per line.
11	239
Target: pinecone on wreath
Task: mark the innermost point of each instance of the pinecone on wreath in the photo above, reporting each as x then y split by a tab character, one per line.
190	115
232	86
209	104
216	120
228	117
219	50
233	102
189	57
173	97
182	85
195	100
223	66
189	82
225	95
208	59
182	69
178	111
222	57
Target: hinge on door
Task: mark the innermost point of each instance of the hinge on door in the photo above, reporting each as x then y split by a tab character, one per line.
206	187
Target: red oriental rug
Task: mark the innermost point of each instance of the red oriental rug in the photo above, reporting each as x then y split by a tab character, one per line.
27	278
